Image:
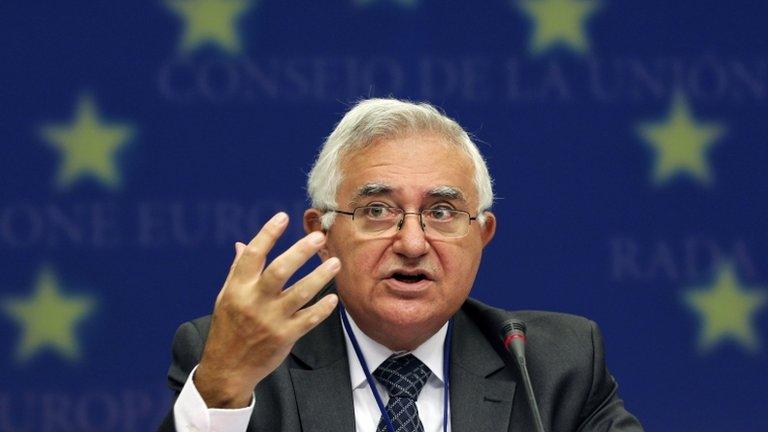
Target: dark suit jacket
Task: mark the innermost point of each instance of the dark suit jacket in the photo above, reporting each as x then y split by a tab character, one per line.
311	390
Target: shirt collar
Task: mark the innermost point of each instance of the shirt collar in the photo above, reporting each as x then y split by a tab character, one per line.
430	353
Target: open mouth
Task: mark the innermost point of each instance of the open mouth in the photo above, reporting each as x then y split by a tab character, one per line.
414	278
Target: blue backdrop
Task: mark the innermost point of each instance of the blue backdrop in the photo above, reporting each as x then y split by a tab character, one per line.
140	140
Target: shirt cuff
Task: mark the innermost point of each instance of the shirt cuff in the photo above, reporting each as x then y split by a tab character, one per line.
191	414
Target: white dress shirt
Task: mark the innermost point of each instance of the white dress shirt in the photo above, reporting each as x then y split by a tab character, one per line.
430	401
192	415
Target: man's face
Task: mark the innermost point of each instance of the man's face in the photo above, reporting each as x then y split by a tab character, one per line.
401	288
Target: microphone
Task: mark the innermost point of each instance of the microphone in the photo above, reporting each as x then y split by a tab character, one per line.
512	332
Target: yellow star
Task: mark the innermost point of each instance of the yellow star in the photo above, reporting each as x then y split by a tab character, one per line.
210	21
48	318
88	146
559	22
681	143
727	310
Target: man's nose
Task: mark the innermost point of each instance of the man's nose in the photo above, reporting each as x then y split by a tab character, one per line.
410	239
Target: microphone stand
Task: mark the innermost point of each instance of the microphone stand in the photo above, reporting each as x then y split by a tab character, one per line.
513	335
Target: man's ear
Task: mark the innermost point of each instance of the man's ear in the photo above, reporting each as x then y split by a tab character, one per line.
488	230
312	220
312	223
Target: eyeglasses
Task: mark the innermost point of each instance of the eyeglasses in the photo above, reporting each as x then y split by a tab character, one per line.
381	221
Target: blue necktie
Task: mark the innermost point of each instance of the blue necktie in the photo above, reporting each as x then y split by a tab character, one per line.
404	377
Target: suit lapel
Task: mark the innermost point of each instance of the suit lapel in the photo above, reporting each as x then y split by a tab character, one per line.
323	389
479	403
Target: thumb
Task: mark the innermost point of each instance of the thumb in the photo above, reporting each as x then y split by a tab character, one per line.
239	248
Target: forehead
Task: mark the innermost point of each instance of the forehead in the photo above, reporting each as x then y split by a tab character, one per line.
410	166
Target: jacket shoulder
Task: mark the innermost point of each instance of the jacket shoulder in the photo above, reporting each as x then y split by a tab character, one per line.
188	343
541	322
202	325
552	337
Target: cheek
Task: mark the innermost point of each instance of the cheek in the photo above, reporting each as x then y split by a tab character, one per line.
360	262
459	266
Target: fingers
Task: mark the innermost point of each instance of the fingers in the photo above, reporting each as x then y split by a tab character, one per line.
251	262
284	266
306	319
302	291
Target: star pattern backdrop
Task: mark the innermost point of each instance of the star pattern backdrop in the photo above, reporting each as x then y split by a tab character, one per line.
142	139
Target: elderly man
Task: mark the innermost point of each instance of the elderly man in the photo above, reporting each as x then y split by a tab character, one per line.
400	216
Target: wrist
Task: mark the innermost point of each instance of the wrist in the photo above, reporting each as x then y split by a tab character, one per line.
220	391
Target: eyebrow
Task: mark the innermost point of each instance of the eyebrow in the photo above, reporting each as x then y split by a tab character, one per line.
442	192
372	189
446	192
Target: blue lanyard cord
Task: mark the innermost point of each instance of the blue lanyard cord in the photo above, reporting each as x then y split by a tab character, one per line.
446	373
364	365
372	382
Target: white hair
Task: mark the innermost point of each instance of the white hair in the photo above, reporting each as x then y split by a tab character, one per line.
374	119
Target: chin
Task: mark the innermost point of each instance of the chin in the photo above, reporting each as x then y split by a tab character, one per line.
408	314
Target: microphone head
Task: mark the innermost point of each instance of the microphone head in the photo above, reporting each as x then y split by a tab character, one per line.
512	333
511	326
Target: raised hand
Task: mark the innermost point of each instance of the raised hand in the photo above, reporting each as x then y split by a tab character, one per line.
255	322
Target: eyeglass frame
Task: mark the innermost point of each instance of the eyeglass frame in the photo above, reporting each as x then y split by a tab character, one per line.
399	225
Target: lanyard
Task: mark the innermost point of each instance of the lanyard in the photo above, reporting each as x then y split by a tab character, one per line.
372	383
